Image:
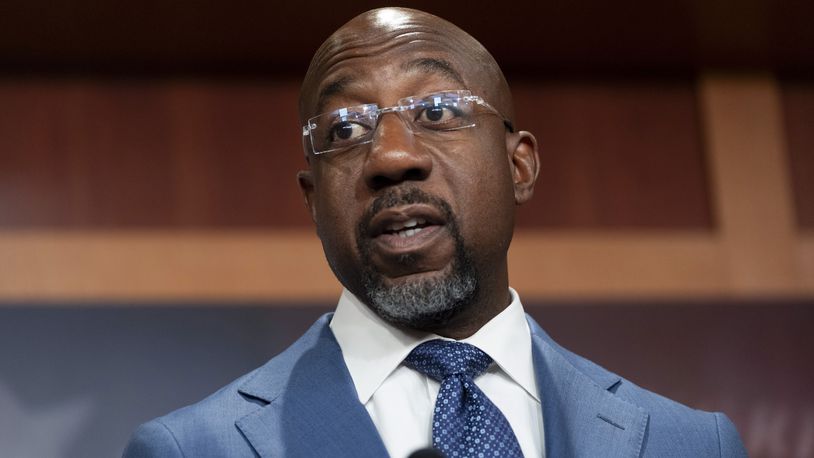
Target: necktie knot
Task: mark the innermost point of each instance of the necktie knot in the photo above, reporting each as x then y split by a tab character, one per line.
440	359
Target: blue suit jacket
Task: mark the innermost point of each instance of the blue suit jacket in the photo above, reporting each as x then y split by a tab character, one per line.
303	403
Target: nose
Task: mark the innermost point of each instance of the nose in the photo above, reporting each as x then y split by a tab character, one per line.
395	155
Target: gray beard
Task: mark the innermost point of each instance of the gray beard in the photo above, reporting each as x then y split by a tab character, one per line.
426	303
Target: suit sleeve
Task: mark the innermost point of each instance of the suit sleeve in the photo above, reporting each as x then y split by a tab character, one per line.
152	439
728	438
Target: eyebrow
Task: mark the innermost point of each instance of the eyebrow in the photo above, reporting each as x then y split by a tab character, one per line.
331	90
433	65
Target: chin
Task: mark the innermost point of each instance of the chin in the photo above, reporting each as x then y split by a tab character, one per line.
426	300
404	292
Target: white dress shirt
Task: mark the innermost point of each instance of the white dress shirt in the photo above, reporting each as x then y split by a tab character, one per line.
400	400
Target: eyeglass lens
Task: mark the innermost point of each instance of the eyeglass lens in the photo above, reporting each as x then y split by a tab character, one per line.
347	127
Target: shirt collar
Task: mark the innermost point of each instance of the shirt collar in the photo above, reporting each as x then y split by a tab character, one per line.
373	349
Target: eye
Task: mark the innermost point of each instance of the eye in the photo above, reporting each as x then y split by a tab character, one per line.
438	114
347	130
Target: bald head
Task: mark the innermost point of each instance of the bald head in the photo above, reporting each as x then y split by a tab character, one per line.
437	46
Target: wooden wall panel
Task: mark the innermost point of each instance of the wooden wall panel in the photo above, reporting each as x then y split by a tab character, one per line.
798	114
239	152
187	154
99	154
753	200
123	190
616	155
36	170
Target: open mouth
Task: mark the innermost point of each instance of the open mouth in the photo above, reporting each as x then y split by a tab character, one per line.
413	234
407	228
405	221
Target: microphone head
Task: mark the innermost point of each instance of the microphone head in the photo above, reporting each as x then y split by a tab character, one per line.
427	452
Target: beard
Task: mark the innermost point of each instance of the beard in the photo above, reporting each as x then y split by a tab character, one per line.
425	303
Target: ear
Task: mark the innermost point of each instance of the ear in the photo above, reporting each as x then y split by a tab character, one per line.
305	178
525	164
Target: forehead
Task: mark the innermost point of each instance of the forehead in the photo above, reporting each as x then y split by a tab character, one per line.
383	66
389	80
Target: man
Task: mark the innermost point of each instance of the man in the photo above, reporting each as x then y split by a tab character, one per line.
415	171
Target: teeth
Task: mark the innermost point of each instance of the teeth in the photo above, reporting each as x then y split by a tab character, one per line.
410	232
412	222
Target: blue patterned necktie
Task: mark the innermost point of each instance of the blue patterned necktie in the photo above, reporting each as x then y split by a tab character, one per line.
465	422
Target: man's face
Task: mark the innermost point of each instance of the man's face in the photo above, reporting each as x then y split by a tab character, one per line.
413	224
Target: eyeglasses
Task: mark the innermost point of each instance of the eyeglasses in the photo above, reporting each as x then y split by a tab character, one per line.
439	112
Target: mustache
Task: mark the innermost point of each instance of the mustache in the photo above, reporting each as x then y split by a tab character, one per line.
403	196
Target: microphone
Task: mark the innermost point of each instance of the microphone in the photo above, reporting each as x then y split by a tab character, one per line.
427	452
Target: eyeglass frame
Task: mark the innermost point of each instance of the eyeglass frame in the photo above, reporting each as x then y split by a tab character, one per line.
466	95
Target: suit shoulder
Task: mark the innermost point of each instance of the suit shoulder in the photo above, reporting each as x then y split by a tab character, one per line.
224	405
673	428
656	405
152	439
207	428
200	429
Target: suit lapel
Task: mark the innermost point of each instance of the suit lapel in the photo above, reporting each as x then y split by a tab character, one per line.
313	409
582	417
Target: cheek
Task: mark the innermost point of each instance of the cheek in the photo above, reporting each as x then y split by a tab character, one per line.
485	196
337	231
489	171
336	215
